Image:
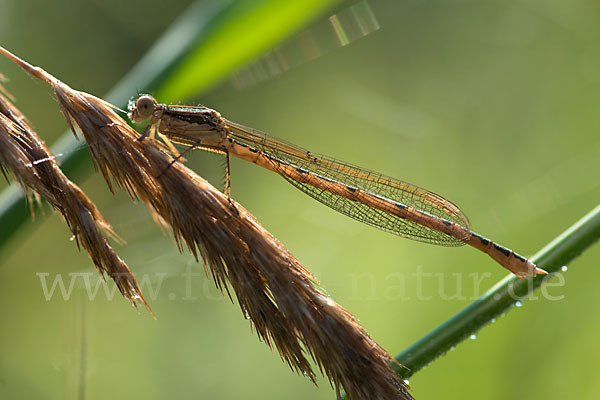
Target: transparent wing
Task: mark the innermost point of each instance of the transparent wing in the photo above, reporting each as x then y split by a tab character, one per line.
376	184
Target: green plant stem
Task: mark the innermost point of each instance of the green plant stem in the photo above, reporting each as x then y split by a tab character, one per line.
500	298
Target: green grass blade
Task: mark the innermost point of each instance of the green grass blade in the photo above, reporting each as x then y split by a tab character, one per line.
247	29
561	251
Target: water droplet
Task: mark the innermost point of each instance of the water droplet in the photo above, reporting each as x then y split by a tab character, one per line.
452	348
564	268
473	337
518	304
493	320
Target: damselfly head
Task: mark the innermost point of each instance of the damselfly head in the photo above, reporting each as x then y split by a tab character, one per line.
142	108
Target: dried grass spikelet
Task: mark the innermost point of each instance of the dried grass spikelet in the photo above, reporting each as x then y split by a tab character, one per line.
273	289
35	167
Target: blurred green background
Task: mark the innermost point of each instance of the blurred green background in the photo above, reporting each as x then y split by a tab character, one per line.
492	105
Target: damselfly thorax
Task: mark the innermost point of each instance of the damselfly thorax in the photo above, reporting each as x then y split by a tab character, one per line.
384	202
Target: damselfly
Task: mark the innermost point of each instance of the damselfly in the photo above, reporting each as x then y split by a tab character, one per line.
375	199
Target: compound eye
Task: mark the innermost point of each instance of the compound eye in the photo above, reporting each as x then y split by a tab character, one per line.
144	107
